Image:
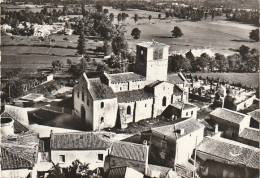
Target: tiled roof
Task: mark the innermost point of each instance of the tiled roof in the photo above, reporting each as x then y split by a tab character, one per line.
125	77
151	44
154	84
31	96
163	170
177	91
18	127
77	141
235	152
11	160
135	95
250	134
228	115
189	125
184	106
174	79
20	151
117	172
100	91
255	114
130	151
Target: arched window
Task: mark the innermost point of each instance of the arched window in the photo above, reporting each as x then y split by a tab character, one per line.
128	110
102	104
164	101
101	120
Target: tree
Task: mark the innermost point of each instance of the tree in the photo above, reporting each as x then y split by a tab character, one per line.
105	11
101	67
234	62
176	32
149	17
56	64
136	18
124	15
119	44
111	17
178	63
222	62
136	33
159	16
81	44
119	17
107	48
76	170
254	35
203	61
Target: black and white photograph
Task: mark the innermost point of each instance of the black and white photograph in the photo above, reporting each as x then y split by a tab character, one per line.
130	89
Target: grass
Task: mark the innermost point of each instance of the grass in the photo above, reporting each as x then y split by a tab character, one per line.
248	79
218	34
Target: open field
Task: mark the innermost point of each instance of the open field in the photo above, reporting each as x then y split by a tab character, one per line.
248	79
30	52
219	35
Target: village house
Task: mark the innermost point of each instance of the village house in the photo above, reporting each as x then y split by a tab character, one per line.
232	123
101	102
255	118
83	146
180	110
128	154
220	158
19	148
173	145
249	136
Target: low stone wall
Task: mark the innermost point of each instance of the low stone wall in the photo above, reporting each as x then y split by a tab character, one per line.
246	103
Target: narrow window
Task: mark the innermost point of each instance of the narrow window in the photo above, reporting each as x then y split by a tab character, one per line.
120	88
82	96
128	110
102	104
78	94
101	120
186	113
164	101
87	101
172	99
191	112
145	105
62	158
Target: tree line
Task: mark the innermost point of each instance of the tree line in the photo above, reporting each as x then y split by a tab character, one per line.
246	60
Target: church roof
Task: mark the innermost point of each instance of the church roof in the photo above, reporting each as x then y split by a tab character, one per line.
100	91
125	77
134	95
174	79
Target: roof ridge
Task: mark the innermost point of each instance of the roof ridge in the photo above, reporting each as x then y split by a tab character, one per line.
101	139
130	143
233	111
232	142
21	157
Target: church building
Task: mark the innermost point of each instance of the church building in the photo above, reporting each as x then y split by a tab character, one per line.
130	97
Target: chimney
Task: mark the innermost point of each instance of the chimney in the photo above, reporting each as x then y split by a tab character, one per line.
216	128
181	131
7	126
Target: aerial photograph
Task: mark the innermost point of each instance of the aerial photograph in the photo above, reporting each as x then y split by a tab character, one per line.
130	89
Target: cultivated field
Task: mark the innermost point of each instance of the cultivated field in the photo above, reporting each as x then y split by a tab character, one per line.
248	79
